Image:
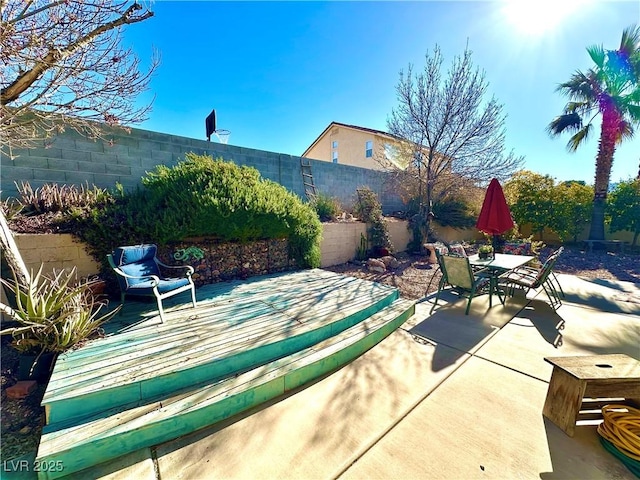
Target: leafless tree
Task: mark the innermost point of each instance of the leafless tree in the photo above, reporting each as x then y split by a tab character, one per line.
454	138
63	66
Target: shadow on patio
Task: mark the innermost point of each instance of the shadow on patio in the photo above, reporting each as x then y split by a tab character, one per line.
445	396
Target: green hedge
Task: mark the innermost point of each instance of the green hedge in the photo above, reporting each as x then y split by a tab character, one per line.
204	197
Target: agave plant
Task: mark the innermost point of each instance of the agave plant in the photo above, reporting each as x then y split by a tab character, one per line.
11	207
52	314
52	197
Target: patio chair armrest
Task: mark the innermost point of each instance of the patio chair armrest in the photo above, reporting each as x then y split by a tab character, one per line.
525	272
532	270
189	268
154	278
480	270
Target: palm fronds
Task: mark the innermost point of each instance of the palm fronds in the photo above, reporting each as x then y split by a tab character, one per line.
561	123
580	137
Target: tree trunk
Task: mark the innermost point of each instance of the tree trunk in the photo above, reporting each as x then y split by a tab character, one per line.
604	161
596	232
11	258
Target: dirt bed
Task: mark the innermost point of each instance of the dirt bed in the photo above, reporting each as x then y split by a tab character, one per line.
415	273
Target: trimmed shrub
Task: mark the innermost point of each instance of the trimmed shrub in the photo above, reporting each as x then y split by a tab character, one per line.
327	208
369	210
205	197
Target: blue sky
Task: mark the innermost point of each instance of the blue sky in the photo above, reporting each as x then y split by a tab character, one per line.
278	73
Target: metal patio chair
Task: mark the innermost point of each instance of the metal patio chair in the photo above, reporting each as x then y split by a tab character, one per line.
528	278
457	272
138	271
452	249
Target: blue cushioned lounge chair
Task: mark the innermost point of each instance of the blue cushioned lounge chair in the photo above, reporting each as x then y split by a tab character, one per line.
138	272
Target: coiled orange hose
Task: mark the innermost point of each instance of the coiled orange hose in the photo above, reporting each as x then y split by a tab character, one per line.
621	429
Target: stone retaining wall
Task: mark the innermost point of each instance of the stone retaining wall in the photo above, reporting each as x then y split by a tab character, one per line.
227	261
222	260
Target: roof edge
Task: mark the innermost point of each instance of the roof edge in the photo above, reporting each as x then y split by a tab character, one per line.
355	127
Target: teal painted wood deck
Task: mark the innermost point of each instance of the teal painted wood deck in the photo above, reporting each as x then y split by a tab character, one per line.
247	342
235	327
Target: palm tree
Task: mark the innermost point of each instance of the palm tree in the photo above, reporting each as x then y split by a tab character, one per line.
612	89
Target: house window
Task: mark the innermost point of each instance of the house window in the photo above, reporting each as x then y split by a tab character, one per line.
368	149
334	156
334	144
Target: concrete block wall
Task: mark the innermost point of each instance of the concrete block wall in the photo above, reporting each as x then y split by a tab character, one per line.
341	181
452	235
56	251
125	157
341	240
399	233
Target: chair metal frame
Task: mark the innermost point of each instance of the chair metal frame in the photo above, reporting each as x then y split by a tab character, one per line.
156	280
557	253
471	285
453	251
443	277
531	278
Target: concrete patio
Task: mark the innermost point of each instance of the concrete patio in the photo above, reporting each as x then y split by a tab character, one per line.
445	396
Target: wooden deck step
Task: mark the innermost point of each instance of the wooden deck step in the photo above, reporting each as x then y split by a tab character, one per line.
119	431
248	325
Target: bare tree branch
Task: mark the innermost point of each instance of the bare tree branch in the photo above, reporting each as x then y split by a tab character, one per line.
63	66
25	12
11	92
455	139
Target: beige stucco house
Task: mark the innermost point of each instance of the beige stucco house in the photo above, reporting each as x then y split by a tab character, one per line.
357	146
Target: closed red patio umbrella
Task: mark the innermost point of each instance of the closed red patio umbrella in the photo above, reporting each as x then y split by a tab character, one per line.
495	216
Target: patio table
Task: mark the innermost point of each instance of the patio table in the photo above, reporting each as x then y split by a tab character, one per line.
500	264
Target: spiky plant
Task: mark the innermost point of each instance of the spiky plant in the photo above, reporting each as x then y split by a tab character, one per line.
51	314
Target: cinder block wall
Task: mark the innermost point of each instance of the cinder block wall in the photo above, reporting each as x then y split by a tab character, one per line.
451	235
56	251
399	233
125	157
340	241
